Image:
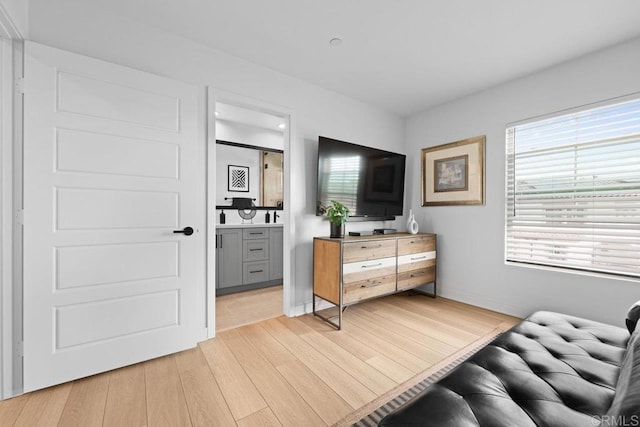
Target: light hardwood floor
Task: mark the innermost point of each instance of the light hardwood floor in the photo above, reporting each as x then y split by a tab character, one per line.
282	371
243	308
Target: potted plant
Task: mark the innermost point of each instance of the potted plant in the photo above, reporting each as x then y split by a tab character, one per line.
338	214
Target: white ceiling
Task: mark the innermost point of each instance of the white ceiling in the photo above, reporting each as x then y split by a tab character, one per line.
403	56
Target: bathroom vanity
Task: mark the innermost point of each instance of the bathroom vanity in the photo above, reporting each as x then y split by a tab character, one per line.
248	256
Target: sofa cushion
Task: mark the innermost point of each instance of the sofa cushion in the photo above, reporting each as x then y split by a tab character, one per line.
626	403
549	370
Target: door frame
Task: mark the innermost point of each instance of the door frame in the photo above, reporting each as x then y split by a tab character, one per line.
218	95
10	205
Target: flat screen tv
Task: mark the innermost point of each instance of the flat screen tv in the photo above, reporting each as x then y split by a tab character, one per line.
369	181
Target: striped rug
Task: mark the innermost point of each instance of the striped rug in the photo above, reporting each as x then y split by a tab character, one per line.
386	404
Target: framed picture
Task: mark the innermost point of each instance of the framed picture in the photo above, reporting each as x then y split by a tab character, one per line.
453	174
238	179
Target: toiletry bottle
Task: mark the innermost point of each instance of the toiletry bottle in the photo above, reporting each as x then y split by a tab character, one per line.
223	217
267	218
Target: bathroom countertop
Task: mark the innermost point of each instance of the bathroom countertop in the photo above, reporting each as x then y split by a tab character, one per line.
279	224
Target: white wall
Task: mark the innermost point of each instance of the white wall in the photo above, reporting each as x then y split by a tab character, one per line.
70	25
471	264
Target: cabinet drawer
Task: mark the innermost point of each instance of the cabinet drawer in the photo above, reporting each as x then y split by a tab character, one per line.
255	233
255	250
368	250
413	278
254	272
357	271
416	244
369	288
416	261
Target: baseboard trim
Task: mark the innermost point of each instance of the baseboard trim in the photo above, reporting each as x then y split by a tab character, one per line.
482	301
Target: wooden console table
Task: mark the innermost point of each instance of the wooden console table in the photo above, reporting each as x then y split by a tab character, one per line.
356	268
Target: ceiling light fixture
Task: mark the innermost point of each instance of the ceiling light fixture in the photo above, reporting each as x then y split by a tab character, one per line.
336	41
281	126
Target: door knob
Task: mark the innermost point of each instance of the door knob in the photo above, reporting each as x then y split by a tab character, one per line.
187	231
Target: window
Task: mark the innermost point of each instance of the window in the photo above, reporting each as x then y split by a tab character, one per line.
573	190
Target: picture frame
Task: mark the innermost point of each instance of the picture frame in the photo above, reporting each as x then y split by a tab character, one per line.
453	173
238	178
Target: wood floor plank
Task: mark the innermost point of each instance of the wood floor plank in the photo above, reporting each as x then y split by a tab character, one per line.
86	402
370	377
419	348
438	346
400	355
262	418
275	352
11	409
243	308
126	400
324	401
190	359
240	393
166	405
348	387
44	407
287	405
459	318
438	330
205	401
361	350
390	368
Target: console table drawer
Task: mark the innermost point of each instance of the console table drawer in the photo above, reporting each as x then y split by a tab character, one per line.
368	250
416	261
416	244
369	288
413	278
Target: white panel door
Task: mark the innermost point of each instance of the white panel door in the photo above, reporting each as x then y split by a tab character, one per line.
111	170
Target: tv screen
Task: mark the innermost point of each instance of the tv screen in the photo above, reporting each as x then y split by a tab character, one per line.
370	182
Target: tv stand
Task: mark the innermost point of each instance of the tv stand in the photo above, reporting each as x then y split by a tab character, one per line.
352	269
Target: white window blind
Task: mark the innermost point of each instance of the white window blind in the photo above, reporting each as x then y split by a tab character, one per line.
573	190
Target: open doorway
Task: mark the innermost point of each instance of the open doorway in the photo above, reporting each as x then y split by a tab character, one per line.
249	204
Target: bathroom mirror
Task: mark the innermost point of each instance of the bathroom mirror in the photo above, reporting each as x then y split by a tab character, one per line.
251	172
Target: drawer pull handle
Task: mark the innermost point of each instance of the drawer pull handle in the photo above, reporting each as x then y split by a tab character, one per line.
255	233
258	249
370	247
371	284
255	271
372	265
417	258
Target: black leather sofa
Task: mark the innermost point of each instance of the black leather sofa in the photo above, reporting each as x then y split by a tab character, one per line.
549	370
